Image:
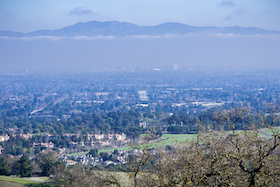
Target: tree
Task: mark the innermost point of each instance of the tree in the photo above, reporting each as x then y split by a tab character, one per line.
93	152
116	152
105	156
3	167
25	170
46	161
139	162
176	129
80	176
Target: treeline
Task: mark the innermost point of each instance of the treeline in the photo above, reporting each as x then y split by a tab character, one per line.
25	166
17	145
118	122
111	122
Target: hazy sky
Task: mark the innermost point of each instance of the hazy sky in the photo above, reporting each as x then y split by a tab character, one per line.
218	51
30	15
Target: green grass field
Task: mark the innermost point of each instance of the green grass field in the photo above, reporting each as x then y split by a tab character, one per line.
268	131
18	180
177	138
22	182
4	183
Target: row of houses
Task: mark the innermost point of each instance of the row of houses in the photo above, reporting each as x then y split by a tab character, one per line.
7	137
88	160
49	145
119	137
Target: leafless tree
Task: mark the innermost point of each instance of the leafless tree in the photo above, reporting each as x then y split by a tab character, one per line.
80	176
217	157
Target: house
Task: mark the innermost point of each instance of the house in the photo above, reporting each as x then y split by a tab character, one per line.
26	136
62	150
142	123
95	136
4	138
109	136
91	143
108	162
49	145
120	137
71	163
49	135
1	149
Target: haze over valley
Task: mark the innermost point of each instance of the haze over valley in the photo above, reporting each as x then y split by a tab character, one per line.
99	46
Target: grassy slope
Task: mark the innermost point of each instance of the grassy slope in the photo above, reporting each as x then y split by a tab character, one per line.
176	138
268	131
18	180
22	182
4	183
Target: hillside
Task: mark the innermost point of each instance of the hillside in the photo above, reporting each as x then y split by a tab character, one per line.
115	28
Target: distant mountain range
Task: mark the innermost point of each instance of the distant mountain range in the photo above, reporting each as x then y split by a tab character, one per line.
115	28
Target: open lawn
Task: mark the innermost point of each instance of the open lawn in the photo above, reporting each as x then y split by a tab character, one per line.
177	138
4	183
23	182
19	180
268	131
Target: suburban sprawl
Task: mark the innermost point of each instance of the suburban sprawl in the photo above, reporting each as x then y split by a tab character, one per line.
98	119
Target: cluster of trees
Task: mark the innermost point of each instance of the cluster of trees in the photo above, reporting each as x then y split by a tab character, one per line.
22	166
81	176
105	156
116	121
215	158
101	122
184	123
17	145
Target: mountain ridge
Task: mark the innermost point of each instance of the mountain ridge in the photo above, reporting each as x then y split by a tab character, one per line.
117	29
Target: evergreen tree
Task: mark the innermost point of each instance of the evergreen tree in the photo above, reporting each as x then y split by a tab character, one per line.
3	167
25	170
93	152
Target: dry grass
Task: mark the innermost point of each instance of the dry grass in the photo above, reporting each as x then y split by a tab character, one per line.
4	183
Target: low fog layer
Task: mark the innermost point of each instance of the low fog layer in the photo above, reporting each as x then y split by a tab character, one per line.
63	54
